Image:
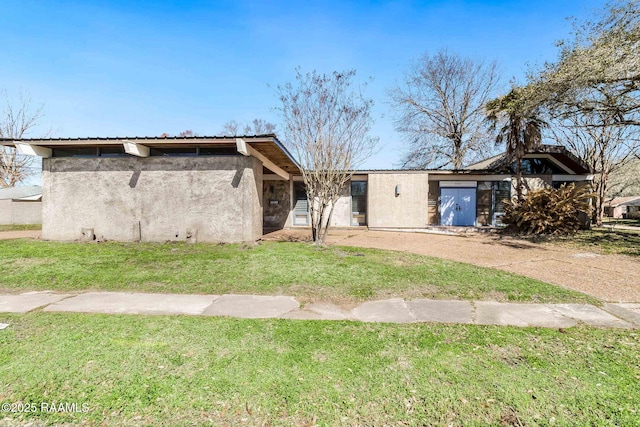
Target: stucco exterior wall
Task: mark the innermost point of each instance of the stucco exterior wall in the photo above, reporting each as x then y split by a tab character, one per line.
531	183
407	210
342	211
216	198
6	214
20	212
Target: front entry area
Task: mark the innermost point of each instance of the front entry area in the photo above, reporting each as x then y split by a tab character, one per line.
458	206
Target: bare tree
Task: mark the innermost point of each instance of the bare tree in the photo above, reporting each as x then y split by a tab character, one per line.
592	92
602	57
605	146
256	127
326	125
439	107
625	180
16	121
184	134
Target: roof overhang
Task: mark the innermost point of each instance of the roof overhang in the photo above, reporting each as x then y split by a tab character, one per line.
558	154
265	147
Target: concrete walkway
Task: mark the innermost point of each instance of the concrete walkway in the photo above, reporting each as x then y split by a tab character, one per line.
284	307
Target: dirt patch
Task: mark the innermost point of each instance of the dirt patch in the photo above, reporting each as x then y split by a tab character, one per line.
21	234
610	278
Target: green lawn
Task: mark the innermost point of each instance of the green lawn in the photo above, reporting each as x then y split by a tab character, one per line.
618	221
606	241
311	273
173	371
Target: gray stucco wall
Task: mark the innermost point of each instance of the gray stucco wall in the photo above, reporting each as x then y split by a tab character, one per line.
20	212
215	199
407	210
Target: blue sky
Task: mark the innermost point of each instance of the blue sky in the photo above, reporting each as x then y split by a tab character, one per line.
125	68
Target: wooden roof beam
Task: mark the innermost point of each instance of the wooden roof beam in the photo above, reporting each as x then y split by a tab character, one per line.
32	150
247	150
135	149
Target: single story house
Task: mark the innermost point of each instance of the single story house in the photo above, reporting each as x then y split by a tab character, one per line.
232	189
21	205
620	207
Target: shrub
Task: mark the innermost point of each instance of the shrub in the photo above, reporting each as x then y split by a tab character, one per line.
633	215
549	211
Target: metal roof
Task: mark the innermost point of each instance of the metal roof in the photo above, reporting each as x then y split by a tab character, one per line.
267	144
629	201
139	138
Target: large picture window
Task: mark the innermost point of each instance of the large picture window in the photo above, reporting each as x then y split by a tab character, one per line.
359	203
501	192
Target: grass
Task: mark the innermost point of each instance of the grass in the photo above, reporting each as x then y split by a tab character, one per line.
606	241
174	371
609	241
20	227
616	221
339	274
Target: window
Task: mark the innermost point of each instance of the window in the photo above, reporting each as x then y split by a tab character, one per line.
538	167
558	184
173	151
75	152
301	207
359	203
501	192
113	151
217	151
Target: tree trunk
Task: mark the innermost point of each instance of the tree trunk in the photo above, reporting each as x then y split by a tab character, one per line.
602	191
318	225
326	227
314	221
519	179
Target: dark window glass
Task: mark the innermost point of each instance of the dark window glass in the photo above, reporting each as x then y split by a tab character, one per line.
113	151
538	167
75	152
174	151
502	192
218	151
358	202
558	184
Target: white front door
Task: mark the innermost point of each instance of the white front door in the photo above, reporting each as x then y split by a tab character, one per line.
458	206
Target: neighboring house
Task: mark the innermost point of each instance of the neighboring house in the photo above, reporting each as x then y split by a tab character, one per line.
232	189
621	207
21	205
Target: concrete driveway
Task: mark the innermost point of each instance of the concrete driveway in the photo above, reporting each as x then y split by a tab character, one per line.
613	278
